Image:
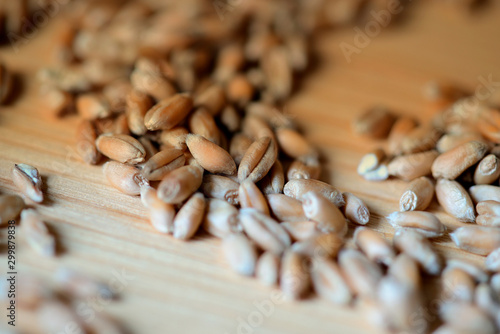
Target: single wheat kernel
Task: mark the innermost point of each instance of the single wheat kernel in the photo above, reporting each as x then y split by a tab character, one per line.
190	216
375	123
329	218
295	278
381	173
274	181
361	274
457	285
255	127
250	196
264	231
399	130
328	281
484	192
451	164
201	122
162	163
419	248
29	182
399	302
122	148
374	246
86	135
137	104
370	161
451	140
221	218
294	144
180	183
221	187
491	208
304	168
267	269
161	214
230	119
299	187
488	220
418	195
240	253
286	208
411	166
124	177
355	209
210	156
480	240
420	139
174	138
258	159
168	112
406	269
238	146
455	200
421	221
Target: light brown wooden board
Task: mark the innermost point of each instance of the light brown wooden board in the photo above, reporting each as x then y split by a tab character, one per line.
180	287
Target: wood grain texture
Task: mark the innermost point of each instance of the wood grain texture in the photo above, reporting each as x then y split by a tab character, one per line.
185	287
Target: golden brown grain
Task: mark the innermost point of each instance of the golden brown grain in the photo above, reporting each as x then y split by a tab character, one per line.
264	231
483	192
258	159
180	183
361	274
480	240
301	230
488	170
189	218
250	196
91	106
162	163
329	283
201	122
418	195
294	144
299	187
355	209
371	161
399	130
274	181
137	105
124	177
285	208
161	214
294	277
210	156
375	122
304	168
168	113
122	148
221	187
85	142
329	218
212	98
455	200
454	162
374	246
423	222
320	245
411	166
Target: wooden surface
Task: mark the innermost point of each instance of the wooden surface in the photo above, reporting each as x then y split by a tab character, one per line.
180	287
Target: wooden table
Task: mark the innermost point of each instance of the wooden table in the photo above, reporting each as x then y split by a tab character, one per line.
185	287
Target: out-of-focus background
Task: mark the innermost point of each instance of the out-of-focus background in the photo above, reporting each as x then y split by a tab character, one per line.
169	286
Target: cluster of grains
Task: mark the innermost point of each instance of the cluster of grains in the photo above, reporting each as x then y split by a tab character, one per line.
67	307
456	157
